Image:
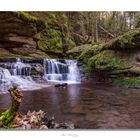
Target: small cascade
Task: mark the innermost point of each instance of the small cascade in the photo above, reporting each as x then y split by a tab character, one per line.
18	68
61	71
73	71
21	68
17	74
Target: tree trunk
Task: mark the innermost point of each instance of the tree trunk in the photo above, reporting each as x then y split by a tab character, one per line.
96	27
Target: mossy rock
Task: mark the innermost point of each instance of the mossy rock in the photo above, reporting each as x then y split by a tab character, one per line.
26	16
90	52
107	60
134	71
126	81
51	40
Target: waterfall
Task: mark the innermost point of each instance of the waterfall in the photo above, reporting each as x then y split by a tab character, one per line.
17	74
61	71
17	68
21	68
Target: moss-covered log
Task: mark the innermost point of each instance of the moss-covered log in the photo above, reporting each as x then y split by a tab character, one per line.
7	116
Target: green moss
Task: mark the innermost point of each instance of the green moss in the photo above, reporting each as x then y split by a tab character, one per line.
108	56
126	39
26	16
105	60
134	71
55	37
89	52
123	41
7	116
51	40
79	49
126	81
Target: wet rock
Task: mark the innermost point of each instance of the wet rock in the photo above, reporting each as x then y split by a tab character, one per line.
37	69
65	126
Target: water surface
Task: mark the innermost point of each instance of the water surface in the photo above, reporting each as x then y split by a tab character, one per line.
87	105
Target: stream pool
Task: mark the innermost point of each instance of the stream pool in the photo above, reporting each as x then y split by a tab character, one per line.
87	105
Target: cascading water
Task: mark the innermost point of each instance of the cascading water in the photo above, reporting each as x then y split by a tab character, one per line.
17	74
61	71
21	68
18	68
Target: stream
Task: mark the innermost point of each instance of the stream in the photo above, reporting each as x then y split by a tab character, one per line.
88	105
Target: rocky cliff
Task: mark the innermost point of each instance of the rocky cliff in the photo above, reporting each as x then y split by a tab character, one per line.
34	34
19	34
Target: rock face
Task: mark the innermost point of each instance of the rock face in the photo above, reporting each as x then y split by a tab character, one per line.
118	58
19	34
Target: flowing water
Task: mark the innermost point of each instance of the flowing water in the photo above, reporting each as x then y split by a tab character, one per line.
19	74
61	71
87	105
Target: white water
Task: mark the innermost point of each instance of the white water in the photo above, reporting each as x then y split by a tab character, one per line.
19	74
61	71
19	77
21	68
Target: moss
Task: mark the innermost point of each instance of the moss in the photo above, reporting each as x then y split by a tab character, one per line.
31	19
50	19
89	52
126	81
123	41
7	116
51	40
79	49
134	71
55	37
26	16
106	60
126	39
108	57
